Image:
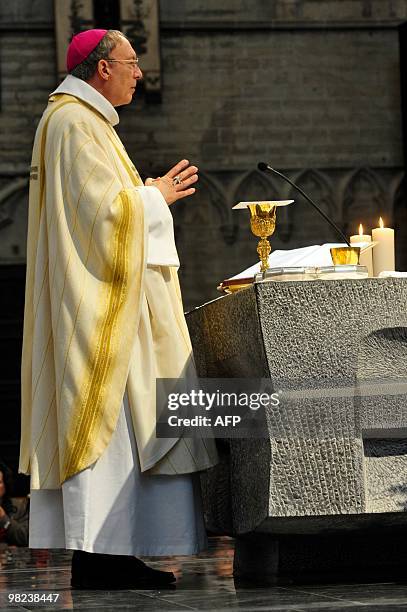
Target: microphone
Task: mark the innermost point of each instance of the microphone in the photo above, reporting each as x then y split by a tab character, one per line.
266	168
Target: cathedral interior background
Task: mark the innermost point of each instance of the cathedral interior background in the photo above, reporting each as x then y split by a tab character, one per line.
315	88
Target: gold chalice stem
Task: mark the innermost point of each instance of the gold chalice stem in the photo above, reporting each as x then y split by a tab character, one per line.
264	250
262	224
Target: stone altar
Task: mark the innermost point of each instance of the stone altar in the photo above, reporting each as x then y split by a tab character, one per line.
326	490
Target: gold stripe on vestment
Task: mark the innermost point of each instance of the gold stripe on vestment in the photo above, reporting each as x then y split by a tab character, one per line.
134	176
43	357
52	278
83	291
42	149
37	443
74	322
54	456
42	165
88	411
72	248
61	210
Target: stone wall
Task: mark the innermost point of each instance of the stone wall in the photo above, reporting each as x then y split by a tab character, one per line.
316	99
313	87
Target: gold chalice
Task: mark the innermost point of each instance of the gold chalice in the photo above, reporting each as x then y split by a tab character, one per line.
262	224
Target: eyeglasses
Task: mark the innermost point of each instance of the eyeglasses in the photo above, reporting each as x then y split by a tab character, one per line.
130	62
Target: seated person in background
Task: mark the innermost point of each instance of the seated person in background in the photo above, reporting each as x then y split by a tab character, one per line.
13	511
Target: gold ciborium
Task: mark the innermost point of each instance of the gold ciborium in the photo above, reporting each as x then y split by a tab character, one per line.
345	255
262	224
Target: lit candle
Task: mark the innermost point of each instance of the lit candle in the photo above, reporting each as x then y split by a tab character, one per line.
383	252
361	240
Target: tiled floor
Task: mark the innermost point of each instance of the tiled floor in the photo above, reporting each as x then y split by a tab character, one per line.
204	583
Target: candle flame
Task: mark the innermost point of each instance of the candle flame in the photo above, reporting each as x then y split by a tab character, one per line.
360	230
381	224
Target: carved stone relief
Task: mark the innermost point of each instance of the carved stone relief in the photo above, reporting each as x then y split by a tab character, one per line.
318	186
139	20
71	17
13	220
365	201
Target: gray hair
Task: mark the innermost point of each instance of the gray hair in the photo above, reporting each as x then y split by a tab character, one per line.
86	69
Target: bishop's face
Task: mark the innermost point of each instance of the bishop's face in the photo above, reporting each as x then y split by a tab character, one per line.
123	74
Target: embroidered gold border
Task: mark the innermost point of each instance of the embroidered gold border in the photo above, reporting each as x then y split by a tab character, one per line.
88	412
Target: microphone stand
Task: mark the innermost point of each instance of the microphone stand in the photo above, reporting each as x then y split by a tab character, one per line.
266	168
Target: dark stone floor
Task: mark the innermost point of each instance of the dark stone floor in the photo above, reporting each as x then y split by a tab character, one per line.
205	582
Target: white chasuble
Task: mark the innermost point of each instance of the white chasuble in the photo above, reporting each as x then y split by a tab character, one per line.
103	310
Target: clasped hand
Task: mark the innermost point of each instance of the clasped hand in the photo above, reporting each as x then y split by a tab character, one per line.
187	175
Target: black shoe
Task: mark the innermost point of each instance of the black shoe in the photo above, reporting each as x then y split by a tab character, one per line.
139	569
97	571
